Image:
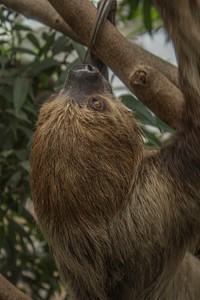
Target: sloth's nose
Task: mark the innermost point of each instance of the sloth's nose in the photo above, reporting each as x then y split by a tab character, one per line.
85	80
86	69
84	72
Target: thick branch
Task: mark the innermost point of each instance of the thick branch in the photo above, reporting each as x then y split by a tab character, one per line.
10	292
125	58
42	11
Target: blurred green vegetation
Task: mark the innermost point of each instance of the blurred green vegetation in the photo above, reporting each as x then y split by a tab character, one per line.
34	62
145	16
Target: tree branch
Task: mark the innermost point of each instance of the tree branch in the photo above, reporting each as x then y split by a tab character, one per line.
9	292
41	10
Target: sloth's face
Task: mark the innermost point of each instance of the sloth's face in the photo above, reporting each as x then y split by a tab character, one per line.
87	92
84	82
86	104
87	88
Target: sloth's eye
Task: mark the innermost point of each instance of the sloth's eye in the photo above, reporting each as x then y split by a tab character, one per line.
97	104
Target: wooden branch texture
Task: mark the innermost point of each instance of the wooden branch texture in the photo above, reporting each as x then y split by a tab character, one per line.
10	292
41	10
76	19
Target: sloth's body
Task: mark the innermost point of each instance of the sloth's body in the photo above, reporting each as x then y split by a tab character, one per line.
120	220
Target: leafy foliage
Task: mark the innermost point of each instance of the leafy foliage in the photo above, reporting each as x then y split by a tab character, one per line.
142	12
33	63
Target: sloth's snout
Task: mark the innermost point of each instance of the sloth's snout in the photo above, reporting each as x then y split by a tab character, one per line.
85	80
84	70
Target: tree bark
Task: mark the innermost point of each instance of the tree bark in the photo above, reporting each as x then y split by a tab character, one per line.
42	11
9	292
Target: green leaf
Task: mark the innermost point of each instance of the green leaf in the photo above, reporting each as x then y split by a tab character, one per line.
152	139
20	93
7	153
20	116
37	67
15	178
21	27
25	164
80	49
140	111
49	40
163	126
147	14
60	45
32	38
22	50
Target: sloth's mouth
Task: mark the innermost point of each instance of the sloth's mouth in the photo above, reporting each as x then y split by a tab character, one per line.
85	80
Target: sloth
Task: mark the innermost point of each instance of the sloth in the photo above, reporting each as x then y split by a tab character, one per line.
121	220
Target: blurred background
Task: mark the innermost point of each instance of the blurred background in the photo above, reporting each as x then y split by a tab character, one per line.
34	61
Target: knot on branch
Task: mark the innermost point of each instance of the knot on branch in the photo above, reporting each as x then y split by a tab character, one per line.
139	77
158	94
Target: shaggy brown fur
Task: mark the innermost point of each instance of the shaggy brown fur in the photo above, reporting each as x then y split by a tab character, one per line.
121	222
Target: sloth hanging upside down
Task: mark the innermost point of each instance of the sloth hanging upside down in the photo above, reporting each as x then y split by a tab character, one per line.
120	220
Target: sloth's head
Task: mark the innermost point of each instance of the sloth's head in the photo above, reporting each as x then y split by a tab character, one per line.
86	152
